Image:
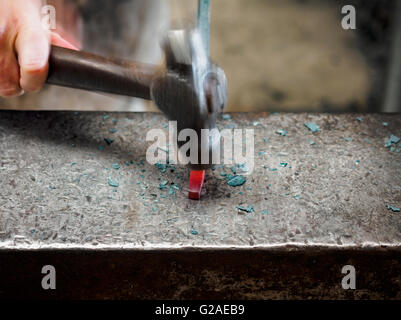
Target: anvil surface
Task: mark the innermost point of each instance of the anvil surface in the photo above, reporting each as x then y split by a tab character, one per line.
334	189
55	170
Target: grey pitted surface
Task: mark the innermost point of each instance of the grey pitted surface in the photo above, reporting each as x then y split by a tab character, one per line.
55	169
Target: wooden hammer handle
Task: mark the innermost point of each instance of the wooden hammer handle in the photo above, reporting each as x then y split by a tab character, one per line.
81	70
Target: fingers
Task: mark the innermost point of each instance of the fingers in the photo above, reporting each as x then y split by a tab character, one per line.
32	47
9	77
9	69
24	47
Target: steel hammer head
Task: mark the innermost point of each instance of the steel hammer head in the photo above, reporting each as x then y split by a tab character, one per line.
192	91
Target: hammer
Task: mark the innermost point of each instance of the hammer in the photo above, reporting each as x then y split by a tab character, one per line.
189	88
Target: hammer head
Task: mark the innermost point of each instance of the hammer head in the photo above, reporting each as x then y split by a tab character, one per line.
192	91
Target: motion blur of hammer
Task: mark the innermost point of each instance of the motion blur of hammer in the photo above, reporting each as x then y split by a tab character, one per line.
189	88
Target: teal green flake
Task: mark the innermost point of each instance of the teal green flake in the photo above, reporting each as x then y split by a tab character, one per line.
235	181
250	209
392	208
392	140
311	142
281	132
162	167
312	127
113	183
116	166
163	185
108	141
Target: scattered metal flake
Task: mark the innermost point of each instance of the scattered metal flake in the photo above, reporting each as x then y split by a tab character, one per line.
108	141
311	142
235	181
250	209
281	132
312	127
392	208
163	185
392	141
113	183
162	167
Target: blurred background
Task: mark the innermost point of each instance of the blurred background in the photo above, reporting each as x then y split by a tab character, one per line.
279	55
